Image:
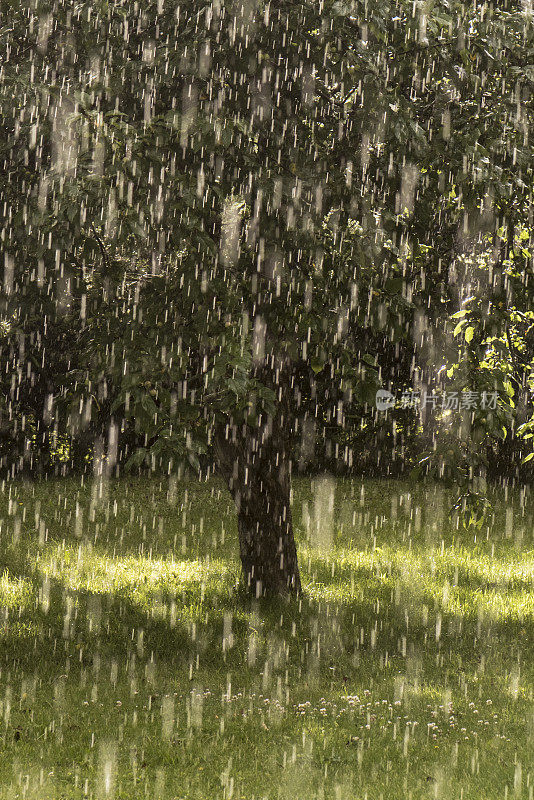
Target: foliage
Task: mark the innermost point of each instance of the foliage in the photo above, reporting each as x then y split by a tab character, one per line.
189	189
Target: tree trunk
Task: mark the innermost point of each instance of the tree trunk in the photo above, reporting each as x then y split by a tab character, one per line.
255	463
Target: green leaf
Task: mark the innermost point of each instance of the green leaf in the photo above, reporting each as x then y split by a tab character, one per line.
459	327
137	458
469	333
528	458
369	359
117	403
148	404
508	388
442	19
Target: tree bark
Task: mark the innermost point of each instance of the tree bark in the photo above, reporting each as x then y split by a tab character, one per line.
255	463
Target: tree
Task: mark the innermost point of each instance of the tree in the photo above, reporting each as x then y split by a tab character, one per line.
223	198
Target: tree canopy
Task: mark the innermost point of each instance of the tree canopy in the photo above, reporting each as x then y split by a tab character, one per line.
215	213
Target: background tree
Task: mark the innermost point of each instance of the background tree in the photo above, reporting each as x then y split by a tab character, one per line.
229	203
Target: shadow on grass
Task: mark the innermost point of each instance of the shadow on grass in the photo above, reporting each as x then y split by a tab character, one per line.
73	598
385	635
377	601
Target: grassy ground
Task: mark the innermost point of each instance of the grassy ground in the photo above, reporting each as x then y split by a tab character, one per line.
131	667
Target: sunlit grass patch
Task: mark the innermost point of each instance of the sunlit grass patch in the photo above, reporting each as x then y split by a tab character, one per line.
15	629
15	592
453	580
17	599
140	580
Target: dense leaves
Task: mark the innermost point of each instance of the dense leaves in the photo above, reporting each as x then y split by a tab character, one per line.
188	189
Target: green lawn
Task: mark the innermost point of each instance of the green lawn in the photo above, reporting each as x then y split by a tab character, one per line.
132	666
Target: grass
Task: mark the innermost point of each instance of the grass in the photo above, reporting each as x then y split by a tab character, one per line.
131	666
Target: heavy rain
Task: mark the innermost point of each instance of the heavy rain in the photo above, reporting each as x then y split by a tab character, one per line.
266	399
